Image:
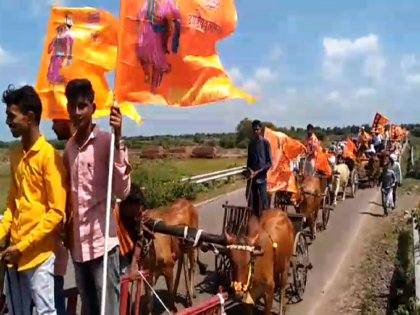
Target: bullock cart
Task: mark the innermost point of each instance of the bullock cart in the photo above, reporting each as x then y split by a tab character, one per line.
235	222
367	171
326	198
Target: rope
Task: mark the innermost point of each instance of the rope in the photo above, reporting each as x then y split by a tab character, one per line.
222	304
197	237
154	292
241	247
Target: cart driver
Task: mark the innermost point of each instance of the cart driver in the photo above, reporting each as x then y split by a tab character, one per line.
258	162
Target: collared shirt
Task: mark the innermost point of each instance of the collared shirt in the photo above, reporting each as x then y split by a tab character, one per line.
388	178
36	202
88	168
259	158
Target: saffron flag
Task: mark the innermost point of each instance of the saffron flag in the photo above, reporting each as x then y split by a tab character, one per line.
284	149
167	52
379	122
321	162
349	149
79	43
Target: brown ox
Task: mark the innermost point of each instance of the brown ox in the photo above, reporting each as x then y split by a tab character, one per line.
309	198
373	167
258	275
161	251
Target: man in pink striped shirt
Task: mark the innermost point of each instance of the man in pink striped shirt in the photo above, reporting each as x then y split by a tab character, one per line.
86	157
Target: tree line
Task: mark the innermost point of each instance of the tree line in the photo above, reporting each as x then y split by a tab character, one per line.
238	139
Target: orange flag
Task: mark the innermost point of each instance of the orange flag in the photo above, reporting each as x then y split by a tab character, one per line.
379	122
283	150
80	43
349	149
321	163
167	52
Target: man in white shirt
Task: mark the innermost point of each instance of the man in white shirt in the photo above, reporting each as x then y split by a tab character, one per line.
386	138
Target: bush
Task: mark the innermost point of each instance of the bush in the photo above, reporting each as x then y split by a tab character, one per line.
160	189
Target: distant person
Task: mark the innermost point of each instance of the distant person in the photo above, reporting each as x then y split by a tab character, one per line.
396	167
386	139
387	181
64	130
258	162
35	207
312	146
332	148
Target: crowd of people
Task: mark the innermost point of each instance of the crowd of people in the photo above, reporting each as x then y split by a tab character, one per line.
56	204
259	162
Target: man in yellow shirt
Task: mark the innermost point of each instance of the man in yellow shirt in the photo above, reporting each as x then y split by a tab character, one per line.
35	206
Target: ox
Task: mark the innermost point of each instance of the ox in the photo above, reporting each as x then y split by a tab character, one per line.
158	251
258	274
309	198
341	176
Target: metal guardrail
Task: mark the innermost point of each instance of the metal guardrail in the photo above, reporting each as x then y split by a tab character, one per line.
204	178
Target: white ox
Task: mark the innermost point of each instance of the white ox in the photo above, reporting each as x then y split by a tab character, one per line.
341	176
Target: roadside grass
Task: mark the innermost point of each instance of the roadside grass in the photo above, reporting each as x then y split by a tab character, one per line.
157	172
177	168
4	182
388	271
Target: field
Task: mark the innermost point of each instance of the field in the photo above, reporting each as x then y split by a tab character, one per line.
162	170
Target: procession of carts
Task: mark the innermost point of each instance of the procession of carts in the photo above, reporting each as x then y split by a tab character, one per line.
235	222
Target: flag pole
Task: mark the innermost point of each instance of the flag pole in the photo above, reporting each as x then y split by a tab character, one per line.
107	218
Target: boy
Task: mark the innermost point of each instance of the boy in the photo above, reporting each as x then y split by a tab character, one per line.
86	158
35	207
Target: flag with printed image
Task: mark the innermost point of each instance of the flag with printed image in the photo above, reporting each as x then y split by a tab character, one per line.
167	52
79	43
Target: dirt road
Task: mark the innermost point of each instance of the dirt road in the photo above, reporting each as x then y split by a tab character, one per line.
327	253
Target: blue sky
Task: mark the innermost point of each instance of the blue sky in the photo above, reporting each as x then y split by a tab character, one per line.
323	62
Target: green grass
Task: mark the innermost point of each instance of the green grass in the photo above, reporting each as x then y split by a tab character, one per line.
170	169
156	172
4	182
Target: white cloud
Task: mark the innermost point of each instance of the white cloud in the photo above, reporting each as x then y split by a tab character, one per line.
410	67
343	48
374	66
363	92
264	74
235	74
275	53
333	96
6	58
338	51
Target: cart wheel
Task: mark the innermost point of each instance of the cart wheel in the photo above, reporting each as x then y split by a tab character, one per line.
300	266
354	183
326	201
223	267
